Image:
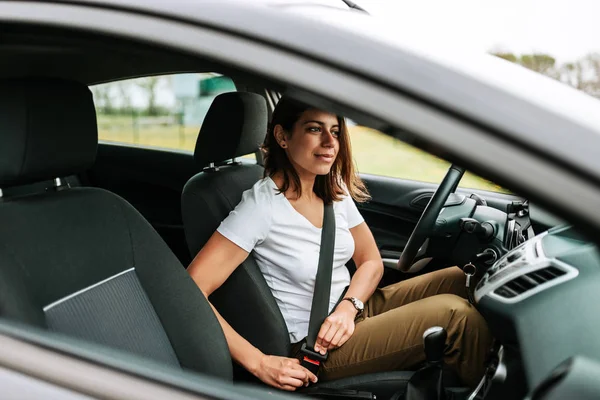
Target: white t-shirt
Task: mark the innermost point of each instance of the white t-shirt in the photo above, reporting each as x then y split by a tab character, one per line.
286	247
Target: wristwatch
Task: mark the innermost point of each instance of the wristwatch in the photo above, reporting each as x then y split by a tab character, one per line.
360	307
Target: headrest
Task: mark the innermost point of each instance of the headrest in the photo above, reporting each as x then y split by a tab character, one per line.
47	130
235	125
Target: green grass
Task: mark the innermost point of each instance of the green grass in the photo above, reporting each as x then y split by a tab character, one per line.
374	152
380	154
123	129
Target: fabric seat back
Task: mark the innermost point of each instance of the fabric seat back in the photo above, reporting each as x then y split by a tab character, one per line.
235	125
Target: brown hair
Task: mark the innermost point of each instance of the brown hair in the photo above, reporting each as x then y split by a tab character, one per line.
328	187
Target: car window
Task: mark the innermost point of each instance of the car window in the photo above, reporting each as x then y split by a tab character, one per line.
159	111
379	154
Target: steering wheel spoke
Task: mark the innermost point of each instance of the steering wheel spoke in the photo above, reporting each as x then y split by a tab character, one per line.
417	244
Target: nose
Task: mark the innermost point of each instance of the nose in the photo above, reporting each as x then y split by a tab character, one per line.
327	138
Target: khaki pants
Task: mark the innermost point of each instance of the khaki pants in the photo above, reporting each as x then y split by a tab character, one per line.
389	336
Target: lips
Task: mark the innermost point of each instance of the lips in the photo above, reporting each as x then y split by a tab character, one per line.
325	157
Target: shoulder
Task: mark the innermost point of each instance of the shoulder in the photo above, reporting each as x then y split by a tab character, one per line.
250	222
261	193
348	209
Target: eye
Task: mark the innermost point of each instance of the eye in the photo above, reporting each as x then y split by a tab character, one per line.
335	133
314	129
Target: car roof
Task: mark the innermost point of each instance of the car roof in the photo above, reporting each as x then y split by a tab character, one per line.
522	106
515	104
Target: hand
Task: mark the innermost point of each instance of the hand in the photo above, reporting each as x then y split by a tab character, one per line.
337	328
283	373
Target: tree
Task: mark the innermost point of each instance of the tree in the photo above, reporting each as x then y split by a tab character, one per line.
591	76
572	74
124	89
103	98
150	85
507	56
542	63
582	74
538	62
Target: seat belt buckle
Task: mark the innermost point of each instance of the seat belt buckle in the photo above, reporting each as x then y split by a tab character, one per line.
311	360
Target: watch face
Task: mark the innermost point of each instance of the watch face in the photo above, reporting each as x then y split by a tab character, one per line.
359	304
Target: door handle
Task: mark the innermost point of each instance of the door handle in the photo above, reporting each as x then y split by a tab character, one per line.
390	257
390	263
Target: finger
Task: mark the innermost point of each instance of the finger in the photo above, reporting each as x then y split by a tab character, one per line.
333	330
312	377
319	342
324	336
335	342
298	372
289	381
287	387
320	346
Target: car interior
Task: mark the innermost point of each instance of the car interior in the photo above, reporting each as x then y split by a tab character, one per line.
95	236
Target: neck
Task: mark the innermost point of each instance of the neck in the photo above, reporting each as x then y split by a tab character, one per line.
307	183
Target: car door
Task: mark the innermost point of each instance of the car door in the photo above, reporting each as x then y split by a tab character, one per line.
401	180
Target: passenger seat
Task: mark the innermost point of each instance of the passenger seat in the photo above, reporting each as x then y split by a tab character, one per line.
82	261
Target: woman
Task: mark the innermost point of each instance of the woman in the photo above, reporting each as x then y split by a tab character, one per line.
308	164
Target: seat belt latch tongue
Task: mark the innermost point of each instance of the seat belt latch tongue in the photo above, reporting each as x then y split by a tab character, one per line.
311	360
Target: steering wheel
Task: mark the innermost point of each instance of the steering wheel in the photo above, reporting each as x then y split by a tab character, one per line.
426	223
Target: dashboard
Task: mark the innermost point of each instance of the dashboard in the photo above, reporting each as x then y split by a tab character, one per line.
523	272
542	302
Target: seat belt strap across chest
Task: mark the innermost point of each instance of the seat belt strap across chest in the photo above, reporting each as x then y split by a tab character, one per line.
320	304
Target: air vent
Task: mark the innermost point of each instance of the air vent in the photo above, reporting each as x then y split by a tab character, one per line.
528	281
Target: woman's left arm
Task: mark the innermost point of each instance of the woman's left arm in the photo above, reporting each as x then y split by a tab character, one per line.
339	326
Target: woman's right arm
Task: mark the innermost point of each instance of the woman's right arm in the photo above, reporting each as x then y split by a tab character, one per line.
210	269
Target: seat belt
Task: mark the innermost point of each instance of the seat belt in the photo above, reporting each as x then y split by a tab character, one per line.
312	360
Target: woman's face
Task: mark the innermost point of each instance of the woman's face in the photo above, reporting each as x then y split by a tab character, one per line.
313	144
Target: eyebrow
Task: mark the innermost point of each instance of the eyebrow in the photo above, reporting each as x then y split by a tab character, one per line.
319	122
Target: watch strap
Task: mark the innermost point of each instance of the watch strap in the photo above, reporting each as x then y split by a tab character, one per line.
353	301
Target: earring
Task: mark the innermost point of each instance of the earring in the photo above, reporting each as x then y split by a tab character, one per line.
283	145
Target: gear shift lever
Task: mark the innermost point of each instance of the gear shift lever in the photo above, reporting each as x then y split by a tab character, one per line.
434	341
426	383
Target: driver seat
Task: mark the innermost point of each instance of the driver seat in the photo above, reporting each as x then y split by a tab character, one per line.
236	125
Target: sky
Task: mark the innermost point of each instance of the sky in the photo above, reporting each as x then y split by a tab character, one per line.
565	29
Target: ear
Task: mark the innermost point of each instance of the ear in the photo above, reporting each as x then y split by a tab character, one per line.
279	134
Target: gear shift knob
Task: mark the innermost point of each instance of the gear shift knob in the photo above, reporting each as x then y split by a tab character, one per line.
434	341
